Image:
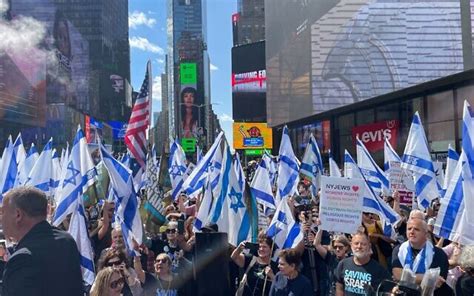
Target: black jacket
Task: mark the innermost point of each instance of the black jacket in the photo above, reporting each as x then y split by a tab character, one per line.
46	262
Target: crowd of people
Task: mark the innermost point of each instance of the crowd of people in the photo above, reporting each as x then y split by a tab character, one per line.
44	260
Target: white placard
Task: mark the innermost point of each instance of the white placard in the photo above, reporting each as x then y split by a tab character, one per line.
340	207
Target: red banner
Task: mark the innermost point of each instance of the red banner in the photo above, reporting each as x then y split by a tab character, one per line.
373	135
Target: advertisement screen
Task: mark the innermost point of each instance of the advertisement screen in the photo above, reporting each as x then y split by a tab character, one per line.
321	132
335	53
66	50
249	135
191	103
249	82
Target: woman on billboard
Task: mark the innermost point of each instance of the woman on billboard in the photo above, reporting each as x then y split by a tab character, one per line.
189	112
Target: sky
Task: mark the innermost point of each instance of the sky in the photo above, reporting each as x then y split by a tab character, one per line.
148	41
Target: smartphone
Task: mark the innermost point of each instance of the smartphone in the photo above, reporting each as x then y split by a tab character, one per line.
252	247
181	226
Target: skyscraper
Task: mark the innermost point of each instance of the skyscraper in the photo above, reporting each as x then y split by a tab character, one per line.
249	22
188	69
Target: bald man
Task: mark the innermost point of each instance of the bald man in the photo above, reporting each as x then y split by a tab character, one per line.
419	254
46	261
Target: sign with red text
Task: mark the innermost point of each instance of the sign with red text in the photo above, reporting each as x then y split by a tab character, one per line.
373	135
401	181
340	206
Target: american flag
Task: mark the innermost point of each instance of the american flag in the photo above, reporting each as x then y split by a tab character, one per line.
135	136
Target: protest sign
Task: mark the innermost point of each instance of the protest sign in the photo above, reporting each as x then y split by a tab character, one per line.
402	182
340	207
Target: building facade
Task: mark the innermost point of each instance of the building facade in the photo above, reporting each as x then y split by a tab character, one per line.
188	73
248	24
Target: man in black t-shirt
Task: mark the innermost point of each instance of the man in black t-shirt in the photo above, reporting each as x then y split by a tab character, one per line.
419	255
359	275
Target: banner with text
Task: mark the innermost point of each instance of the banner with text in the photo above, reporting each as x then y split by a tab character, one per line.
402	182
340	207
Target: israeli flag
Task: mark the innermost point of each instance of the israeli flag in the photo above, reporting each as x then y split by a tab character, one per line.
24	171
333	168
56	172
176	168
417	159
199	155
195	182
312	164
284	230
372	203
78	230
79	176
452	205
231	213
126	200
261	187
390	156
9	169
20	151
371	171
204	211
351	170
468	149
451	163
271	164
288	169
62	174
239	171
41	173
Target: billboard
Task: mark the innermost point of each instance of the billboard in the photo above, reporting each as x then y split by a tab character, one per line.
330	53
191	105
249	82
251	135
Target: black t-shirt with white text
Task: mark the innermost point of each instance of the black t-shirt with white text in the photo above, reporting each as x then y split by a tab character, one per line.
360	279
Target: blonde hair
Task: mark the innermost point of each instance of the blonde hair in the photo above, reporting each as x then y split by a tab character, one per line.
102	281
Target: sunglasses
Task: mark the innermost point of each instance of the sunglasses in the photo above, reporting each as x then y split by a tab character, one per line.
161	261
339	247
113	263
170	230
117	283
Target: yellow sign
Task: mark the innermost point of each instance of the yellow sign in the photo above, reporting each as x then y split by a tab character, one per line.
248	135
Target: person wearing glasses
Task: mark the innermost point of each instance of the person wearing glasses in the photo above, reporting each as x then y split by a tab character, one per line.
108	282
338	250
164	282
117	259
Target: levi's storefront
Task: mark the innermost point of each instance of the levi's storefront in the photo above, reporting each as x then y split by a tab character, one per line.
439	103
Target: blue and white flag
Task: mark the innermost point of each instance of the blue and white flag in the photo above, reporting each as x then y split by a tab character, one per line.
126	200
271	164
176	168
202	217
284	230
351	170
42	172
261	187
24	171
199	155
372	203
78	230
288	169
390	156
451	163
9	168
239	171
20	151
417	159
195	182
56	172
373	174
230	211
79	176
312	164
334	170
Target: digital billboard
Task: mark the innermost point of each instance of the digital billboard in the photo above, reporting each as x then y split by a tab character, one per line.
249	82
191	104
330	53
252	135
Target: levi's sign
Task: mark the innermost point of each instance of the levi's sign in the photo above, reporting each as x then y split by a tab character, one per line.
373	135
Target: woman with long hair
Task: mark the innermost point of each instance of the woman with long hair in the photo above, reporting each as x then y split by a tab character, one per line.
108	282
163	282
189	112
